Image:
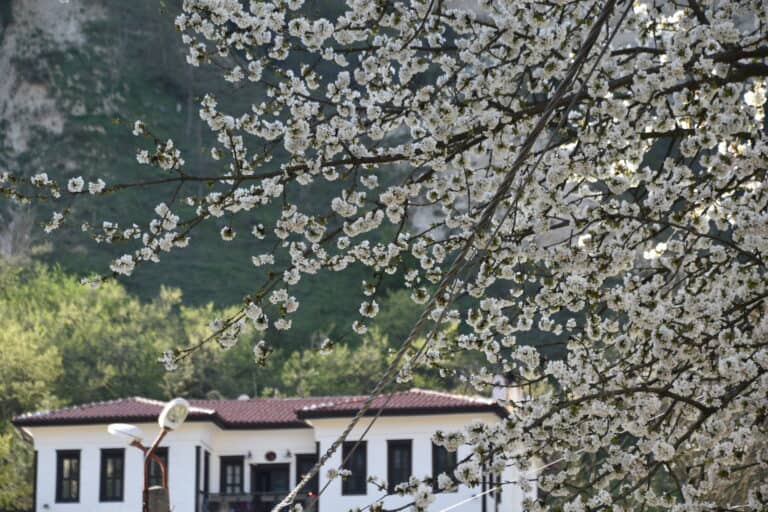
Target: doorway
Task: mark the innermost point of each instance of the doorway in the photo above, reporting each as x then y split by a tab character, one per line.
304	464
269	484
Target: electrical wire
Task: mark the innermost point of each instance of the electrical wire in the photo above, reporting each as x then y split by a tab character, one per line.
461	259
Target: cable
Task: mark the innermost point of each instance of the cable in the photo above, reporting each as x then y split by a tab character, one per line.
461	259
471	498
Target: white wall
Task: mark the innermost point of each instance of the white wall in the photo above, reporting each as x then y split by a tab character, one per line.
420	430
90	439
182	446
258	443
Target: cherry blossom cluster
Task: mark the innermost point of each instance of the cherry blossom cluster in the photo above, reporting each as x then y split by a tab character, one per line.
631	231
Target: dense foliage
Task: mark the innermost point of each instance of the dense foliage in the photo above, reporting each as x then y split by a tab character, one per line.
62	343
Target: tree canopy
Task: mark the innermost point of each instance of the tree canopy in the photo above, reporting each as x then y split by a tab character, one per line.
591	173
63	343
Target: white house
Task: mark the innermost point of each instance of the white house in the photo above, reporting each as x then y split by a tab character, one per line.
242	455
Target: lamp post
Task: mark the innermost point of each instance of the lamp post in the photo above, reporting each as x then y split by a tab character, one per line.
172	416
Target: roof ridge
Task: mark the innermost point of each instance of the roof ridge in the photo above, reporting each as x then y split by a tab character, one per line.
160	403
73	407
469	398
278	398
147	400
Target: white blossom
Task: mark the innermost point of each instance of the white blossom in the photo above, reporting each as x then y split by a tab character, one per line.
123	265
96	187
603	238
76	185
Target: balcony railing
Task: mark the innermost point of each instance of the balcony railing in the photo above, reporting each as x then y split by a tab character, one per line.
253	502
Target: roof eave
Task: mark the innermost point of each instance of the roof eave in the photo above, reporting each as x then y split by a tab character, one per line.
216	420
409	411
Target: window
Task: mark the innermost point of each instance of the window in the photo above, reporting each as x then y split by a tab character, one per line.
398	462
357	463
112	471
67	476
155	472
443	461
206	472
232	475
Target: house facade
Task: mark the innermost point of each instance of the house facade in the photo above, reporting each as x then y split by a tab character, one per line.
245	455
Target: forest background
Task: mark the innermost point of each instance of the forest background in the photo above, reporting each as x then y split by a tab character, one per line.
74	78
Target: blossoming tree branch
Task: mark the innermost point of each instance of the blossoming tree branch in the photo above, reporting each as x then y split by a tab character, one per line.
591	171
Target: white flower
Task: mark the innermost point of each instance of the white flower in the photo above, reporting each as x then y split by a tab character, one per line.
444	482
54	223
369	309
76	185
468	473
656	252
123	265
227	233
253	311
139	128
254	71
423	497
96	187
755	97
663	451
260	352
259	231
359	327
283	324
40	179
235	75
263	259
142	157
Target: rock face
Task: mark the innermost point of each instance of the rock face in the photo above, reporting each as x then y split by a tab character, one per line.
73	79
30	28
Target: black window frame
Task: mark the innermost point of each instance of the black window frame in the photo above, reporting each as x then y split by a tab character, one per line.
61	455
206	473
356	484
397	444
234	461
34	483
105	487
436	470
155	473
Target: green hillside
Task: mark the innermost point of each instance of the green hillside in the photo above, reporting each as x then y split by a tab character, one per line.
124	61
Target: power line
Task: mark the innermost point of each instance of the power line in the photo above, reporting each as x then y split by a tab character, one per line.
461	259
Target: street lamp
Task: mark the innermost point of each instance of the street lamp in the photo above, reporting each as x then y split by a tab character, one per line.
172	416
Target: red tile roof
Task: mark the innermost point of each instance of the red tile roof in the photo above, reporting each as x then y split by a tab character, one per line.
261	412
414	401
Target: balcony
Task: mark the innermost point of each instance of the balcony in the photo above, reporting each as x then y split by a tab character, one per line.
253	502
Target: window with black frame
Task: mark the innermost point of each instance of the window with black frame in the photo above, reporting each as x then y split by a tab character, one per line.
356	462
155	471
232	475
443	461
399	455
112	474
67	476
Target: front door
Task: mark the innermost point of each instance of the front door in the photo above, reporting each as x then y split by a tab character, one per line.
269	483
304	464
